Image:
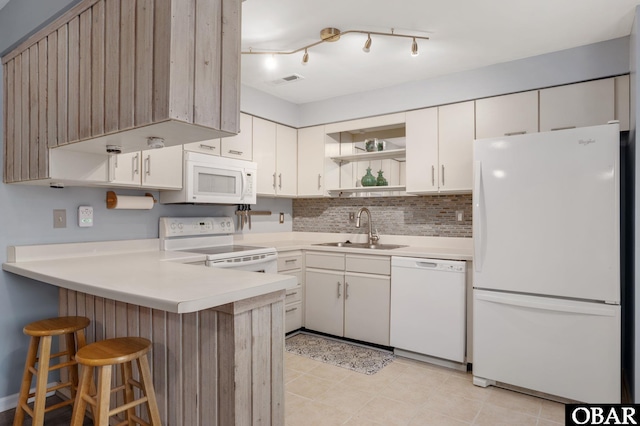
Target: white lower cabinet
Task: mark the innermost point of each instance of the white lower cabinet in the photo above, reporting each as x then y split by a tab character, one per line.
341	301
290	263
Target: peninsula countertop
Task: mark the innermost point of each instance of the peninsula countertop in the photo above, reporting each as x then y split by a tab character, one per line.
137	272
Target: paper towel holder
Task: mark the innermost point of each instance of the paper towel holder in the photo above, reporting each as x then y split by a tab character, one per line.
112	199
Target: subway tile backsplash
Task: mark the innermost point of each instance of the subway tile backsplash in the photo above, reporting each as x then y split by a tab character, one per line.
429	215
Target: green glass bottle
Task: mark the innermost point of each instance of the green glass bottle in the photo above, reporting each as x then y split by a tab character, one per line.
368	179
381	181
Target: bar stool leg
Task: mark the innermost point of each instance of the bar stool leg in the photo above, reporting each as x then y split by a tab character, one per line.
103	396
73	369
147	384
128	392
41	382
80	404
32	355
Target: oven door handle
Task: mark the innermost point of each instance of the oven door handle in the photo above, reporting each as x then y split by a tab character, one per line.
237	264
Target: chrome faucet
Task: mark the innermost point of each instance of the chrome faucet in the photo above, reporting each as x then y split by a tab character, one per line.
373	236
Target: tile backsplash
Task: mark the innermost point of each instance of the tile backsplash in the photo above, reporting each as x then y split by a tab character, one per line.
429	215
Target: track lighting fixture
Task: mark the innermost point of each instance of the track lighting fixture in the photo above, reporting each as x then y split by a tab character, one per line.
367	44
334	34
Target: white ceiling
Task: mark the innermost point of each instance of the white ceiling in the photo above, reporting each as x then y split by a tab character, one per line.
464	34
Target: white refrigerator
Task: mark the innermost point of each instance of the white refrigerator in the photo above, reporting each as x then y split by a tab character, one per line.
546	275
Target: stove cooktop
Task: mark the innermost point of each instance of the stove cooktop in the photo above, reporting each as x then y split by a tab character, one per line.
222	249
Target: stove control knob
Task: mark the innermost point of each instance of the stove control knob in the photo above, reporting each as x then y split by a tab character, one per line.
228	223
172	226
179	226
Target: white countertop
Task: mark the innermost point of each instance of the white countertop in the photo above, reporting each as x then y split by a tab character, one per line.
137	272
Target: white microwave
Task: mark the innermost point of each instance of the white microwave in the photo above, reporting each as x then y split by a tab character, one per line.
209	179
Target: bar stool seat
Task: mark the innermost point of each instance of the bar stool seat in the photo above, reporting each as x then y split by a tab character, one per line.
42	332
103	355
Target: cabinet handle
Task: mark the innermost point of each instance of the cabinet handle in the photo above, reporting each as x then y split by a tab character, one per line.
135	165
523	132
433	175
563	128
290	260
274	181
148	165
319	179
234	152
346	290
210	147
280	181
291	310
292	294
339	284
443	175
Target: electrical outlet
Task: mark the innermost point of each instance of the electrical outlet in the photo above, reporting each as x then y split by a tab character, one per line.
60	218
459	215
352	217
281	217
85	216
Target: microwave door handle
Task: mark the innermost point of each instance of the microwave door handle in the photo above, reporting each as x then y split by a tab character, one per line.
244	184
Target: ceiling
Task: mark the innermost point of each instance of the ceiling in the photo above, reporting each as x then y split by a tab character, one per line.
464	34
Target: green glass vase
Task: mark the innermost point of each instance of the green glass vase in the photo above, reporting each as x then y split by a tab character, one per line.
381	181
368	179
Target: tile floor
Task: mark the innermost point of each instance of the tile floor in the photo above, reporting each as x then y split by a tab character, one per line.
406	392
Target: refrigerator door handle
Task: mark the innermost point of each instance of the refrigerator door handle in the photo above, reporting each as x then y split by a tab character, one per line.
478	222
548	304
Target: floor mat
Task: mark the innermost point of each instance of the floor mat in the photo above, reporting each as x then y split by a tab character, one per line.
341	354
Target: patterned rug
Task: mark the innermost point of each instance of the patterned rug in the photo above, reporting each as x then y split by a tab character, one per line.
341	354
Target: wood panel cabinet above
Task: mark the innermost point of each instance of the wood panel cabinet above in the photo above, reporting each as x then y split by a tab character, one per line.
115	72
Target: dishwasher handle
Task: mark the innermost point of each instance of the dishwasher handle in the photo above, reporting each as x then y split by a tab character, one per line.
430	265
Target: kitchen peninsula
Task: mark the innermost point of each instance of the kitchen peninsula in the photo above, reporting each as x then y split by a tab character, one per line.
218	335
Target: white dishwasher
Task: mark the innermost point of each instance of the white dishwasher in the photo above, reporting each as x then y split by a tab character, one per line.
428	309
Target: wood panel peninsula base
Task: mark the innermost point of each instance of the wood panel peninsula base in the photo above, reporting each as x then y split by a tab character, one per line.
220	366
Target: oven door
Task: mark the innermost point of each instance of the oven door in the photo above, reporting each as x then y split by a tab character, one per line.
268	265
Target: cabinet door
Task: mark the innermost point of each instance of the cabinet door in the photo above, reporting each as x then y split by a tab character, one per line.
422	151
324	301
455	146
264	154
240	145
162	168
577	105
286	161
367	300
311	161
126	169
211	146
507	115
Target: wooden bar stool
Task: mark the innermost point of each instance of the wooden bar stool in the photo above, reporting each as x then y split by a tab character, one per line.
103	355
41	332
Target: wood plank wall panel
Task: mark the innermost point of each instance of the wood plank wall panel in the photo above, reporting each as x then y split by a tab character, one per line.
127	63
9	127
145	329
73	81
199	358
144	62
97	68
112	66
182	59
41	154
161	59
34	103
230	96
17	111
52	91
85	75
207	63
26	129
63	84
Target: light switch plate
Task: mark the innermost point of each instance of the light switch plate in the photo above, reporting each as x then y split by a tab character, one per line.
85	216
59	218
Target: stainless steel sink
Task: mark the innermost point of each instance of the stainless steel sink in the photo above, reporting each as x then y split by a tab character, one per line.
349	244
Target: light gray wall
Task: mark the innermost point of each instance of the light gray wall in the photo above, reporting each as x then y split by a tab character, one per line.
634	257
261	104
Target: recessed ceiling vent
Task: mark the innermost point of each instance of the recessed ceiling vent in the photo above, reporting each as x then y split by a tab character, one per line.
287	79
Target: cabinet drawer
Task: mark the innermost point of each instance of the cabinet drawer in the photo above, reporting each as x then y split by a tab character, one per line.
205	147
293	295
325	261
369	264
288	262
298	274
293	317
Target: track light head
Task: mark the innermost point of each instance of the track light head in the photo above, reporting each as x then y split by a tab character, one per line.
367	44
305	57
414	48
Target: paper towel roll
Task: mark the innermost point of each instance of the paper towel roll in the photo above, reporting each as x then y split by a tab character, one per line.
129	202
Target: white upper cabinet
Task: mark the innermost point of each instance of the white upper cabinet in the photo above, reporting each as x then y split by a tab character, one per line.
577	105
211	146
311	157
455	146
155	168
422	151
240	145
507	115
286	161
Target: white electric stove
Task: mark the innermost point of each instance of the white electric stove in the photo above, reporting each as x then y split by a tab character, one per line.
213	237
